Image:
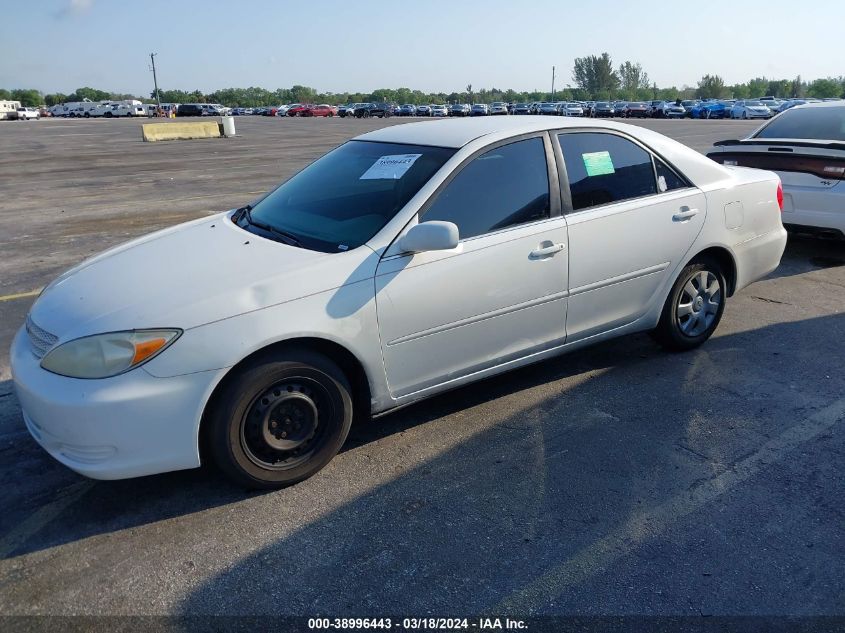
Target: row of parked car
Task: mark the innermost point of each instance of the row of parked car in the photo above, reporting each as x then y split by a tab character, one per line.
762	108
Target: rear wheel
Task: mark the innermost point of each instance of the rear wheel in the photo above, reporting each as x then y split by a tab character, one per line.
280	420
694	306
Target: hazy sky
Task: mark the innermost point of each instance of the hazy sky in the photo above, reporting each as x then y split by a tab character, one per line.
60	45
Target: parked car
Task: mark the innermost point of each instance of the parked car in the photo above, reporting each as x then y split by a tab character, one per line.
571	109
479	109
688	105
190	109
522	108
674	110
805	146
423	110
636	109
439	110
344	293
498	108
773	103
349	110
299	109
750	109
604	109
366	110
710	110
28	114
548	108
459	109
323	110
408	109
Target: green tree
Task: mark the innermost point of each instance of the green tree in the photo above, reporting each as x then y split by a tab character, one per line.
55	99
632	77
824	88
779	88
28	97
757	87
595	74
798	87
5	95
739	91
710	87
89	93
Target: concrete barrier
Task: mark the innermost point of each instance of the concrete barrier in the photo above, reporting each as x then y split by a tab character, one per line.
180	131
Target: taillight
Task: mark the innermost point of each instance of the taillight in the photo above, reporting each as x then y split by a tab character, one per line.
780	195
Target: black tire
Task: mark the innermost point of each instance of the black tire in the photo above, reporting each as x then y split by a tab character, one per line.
280	419
679	332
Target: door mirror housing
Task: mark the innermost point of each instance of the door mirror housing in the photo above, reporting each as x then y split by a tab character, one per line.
435	235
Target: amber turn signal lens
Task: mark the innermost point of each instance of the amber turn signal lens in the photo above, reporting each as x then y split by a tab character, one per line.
146	349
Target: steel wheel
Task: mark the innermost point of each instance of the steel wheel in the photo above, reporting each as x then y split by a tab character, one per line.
699	303
279	418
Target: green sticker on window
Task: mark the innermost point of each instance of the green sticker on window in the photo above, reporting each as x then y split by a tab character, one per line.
598	163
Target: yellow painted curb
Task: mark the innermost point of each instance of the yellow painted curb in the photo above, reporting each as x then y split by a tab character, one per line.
180	131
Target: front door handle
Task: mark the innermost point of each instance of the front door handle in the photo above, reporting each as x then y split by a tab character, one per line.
547	251
684	214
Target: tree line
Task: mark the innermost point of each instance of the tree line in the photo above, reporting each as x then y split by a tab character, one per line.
594	77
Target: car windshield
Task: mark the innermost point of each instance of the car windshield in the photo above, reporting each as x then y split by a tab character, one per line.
344	198
602	104
753	103
814	123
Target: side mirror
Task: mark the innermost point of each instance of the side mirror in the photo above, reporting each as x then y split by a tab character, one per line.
430	236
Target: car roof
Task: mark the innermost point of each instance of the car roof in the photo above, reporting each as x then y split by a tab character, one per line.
457	133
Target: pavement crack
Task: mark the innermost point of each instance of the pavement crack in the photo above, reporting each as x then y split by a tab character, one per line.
768	300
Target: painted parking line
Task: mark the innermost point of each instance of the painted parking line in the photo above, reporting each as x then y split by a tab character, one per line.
21	295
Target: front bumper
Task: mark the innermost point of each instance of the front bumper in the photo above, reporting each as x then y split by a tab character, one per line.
130	425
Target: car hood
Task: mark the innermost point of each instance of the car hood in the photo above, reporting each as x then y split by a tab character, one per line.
189	275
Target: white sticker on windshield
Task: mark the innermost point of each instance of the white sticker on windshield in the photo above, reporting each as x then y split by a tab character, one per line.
390	167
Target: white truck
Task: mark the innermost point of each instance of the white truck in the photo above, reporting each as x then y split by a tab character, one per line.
28	114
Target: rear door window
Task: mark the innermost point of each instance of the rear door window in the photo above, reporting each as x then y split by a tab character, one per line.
605	168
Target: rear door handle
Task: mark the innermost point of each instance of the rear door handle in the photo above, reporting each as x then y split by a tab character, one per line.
547	251
684	214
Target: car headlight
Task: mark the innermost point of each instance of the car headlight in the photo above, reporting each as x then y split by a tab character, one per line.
106	355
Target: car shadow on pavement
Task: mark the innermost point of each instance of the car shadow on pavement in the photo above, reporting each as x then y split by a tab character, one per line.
574	490
552	461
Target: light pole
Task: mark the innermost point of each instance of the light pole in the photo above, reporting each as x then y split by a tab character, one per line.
155	80
553	83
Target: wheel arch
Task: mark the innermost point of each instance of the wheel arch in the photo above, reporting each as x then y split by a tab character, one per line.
725	259
348	362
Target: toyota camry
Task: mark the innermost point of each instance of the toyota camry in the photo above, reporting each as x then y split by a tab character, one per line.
408	261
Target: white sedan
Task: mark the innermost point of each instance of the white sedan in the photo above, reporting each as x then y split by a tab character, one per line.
406	262
805	147
750	109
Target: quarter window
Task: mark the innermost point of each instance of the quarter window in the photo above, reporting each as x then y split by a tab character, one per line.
504	187
605	168
667	179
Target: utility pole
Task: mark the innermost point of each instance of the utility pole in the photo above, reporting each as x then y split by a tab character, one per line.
553	83
155	80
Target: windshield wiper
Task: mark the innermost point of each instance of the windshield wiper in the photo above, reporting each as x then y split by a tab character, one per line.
287	238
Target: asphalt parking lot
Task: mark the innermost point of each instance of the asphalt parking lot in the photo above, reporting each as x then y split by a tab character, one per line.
617	480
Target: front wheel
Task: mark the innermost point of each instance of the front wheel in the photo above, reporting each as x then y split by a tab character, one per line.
694	306
280	420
